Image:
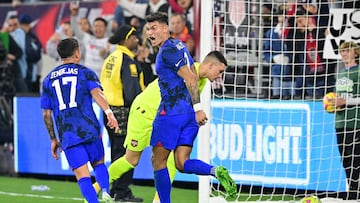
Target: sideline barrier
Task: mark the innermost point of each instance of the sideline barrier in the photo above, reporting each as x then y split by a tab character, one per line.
292	150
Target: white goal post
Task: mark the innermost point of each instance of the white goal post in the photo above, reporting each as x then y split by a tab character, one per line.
205	47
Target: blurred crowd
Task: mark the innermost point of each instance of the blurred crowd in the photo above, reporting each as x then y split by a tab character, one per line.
293	45
95	46
21	51
295	33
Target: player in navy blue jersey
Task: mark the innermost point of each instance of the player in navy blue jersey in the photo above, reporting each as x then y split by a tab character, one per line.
68	93
179	114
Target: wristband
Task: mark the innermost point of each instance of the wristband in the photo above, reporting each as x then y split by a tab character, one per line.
197	107
107	111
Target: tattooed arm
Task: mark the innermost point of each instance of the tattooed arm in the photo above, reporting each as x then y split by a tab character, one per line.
49	123
55	145
191	78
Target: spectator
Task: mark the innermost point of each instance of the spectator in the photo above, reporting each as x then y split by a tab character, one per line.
267	16
309	6
141	10
15	53
12	24
330	64
33	52
85	25
304	6
122	80
188	11
64	31
138	24
180	31
13	71
96	46
175	7
146	55
119	16
347	117
293	8
18	35
276	53
309	66
136	12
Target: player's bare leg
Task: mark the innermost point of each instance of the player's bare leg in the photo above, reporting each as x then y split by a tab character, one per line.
182	153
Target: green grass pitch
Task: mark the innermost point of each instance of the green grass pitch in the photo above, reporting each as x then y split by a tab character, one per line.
18	190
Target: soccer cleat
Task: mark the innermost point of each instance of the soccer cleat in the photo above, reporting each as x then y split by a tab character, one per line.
107	198
226	181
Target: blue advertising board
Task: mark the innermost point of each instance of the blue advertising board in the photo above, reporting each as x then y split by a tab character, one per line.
32	143
267	143
277	143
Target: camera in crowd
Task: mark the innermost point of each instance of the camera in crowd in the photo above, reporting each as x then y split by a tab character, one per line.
6	82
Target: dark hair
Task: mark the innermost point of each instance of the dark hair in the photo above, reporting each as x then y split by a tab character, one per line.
101	19
161	17
13	17
67	47
218	55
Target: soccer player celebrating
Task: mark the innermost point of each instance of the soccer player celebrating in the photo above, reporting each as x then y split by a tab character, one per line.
142	114
179	114
68	91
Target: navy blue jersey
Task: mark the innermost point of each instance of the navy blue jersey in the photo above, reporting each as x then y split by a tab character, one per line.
66	91
175	98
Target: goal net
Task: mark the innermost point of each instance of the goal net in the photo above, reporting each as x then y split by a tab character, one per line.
268	124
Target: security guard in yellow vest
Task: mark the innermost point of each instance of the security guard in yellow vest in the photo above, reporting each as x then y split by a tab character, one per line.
122	80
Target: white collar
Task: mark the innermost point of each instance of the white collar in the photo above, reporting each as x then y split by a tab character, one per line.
278	28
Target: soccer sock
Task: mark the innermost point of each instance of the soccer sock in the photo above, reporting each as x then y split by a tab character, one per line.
118	168
163	184
102	177
87	190
197	167
171	170
97	187
213	171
